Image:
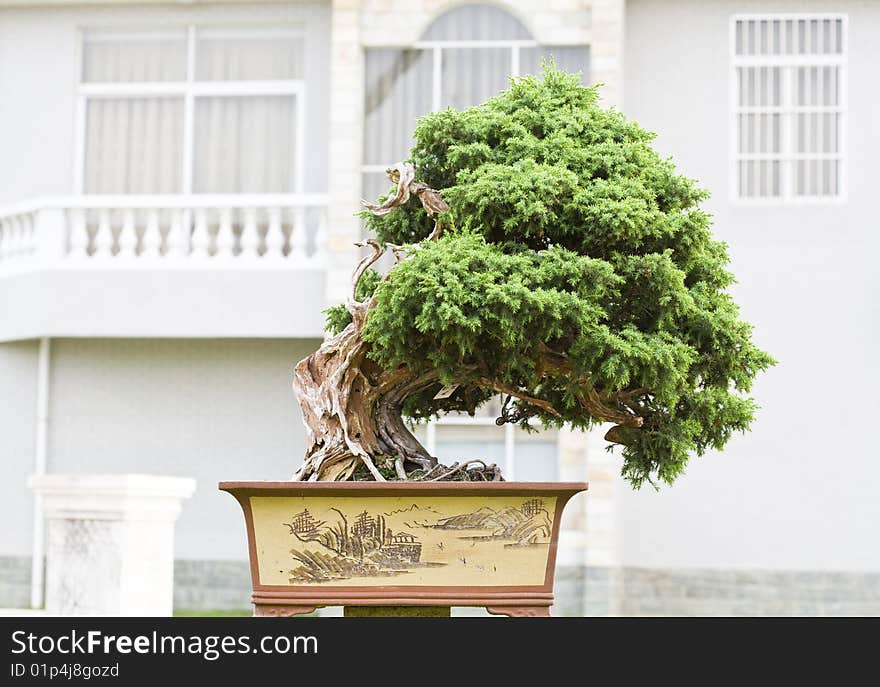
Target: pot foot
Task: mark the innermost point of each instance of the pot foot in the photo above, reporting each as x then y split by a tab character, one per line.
280	610
520	611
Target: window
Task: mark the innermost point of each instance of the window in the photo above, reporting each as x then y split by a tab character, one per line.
464	57
789	97
193	110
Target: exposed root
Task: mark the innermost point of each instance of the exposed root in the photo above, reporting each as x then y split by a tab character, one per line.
372	468
398	468
467	471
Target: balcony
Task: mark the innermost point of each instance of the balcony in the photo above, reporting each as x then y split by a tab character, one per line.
163	266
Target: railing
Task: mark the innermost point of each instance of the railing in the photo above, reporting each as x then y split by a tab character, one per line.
156	230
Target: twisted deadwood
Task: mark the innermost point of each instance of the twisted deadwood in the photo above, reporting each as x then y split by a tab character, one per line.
352	407
403	174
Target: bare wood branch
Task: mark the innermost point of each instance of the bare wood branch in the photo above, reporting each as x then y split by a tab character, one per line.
403	174
363	265
521	395
614	435
398	468
598	405
593	403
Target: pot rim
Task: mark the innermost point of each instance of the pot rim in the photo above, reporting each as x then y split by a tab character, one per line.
269	488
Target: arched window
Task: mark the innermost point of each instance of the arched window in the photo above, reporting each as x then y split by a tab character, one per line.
464	57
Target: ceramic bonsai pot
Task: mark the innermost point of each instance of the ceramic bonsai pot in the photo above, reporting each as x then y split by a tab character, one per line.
402	544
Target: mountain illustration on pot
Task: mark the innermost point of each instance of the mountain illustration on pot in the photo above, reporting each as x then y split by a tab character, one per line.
330	545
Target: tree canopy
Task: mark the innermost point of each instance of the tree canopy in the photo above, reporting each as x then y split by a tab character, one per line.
575	272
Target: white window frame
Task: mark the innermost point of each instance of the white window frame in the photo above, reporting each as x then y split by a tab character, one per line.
190	89
787	156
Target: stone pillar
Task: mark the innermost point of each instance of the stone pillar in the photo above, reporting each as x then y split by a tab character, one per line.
570	570
587	562
110	542
601	552
589	539
573	468
606	49
346	146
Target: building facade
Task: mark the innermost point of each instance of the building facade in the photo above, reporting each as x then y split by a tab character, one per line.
178	189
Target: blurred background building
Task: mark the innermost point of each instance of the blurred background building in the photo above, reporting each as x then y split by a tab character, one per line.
178	189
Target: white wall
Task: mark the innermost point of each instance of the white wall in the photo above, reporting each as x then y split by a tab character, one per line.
18	397
210	409
800	491
38	79
258	300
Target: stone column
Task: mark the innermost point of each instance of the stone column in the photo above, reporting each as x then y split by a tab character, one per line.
570	569
606	49
587	576
602	554
110	542
346	146
588	541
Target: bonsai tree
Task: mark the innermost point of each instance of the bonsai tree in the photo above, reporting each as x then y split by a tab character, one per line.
545	252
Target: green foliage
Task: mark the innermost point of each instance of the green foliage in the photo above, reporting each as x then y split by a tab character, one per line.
565	232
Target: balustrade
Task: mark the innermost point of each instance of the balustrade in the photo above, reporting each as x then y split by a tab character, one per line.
154	230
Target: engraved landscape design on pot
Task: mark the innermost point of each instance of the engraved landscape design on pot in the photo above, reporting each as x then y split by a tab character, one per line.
403	540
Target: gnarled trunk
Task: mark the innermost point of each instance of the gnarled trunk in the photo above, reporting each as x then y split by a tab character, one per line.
352	409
